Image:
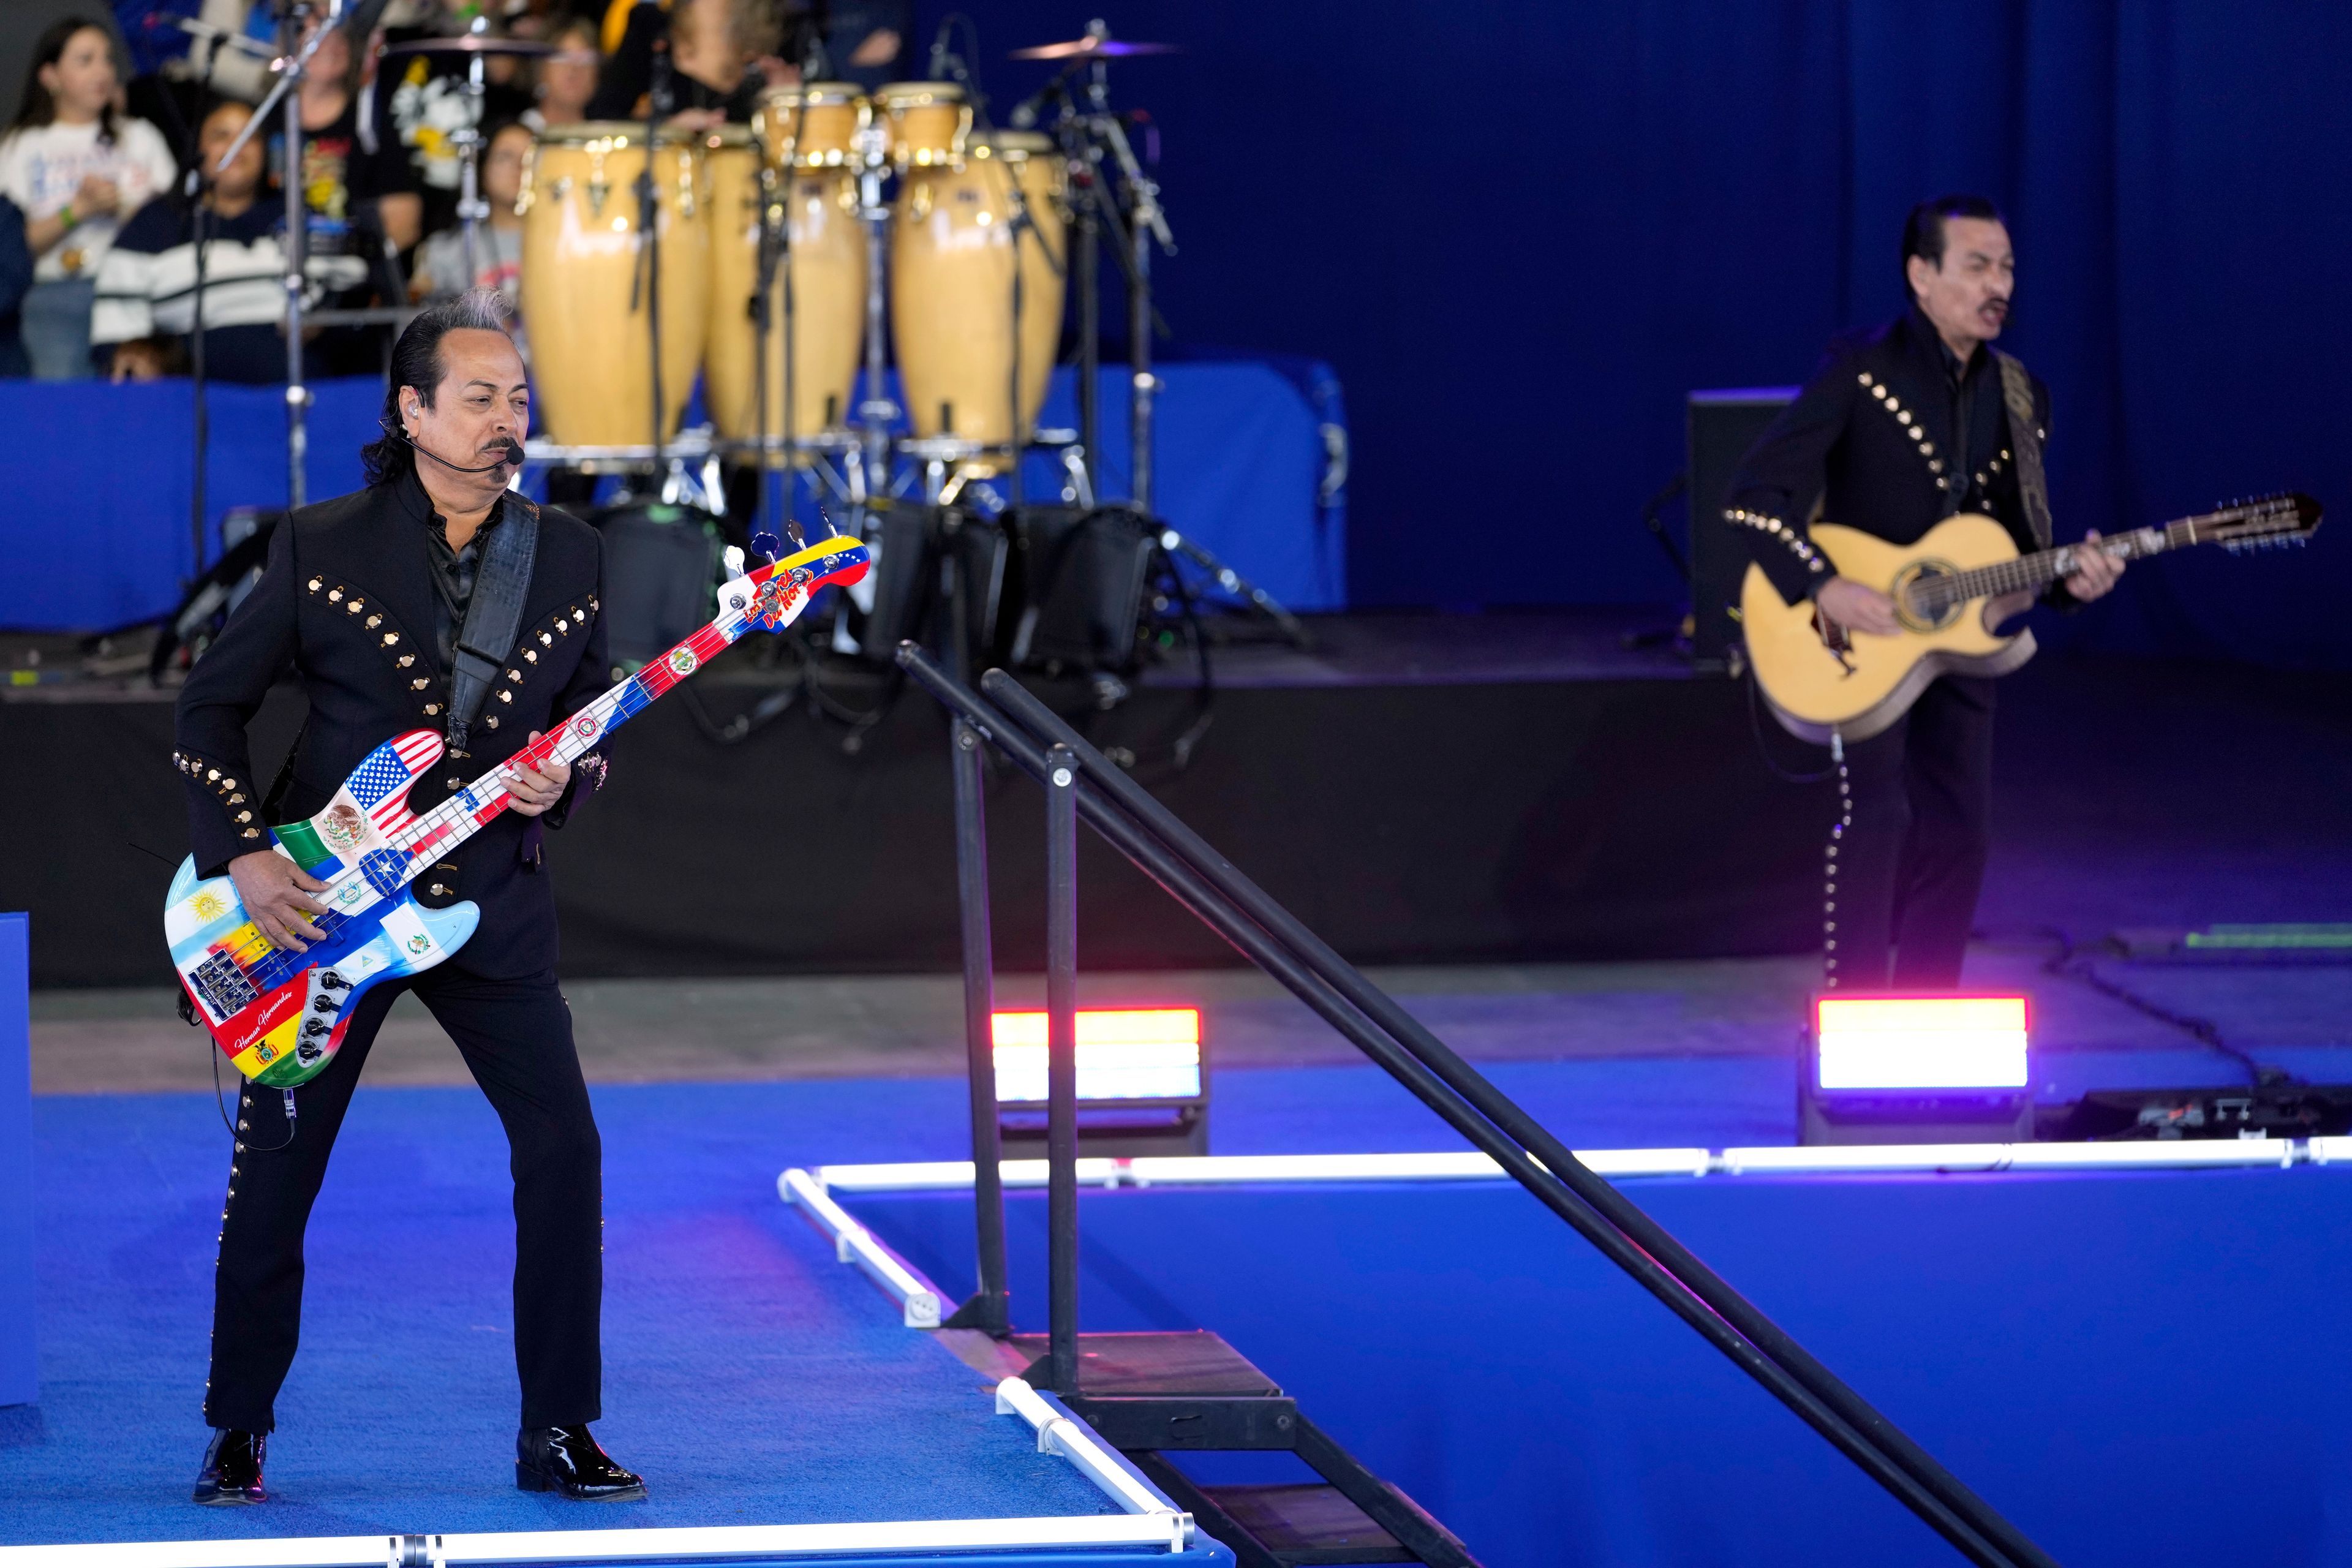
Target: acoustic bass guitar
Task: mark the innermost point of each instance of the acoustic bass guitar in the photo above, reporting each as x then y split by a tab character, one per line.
278	1015
1821	680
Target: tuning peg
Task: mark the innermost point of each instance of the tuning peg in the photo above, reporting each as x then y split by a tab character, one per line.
734	559
767	544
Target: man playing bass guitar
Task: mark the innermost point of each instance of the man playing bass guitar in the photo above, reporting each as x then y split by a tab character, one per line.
398	606
1905	427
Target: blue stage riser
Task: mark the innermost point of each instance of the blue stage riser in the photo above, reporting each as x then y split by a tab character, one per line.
19	1380
2134	1367
95	544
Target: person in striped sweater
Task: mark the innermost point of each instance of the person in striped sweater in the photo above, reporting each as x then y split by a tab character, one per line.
145	308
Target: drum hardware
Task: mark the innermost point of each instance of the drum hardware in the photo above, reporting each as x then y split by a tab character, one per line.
1098	45
475	48
870	148
657	106
1090	135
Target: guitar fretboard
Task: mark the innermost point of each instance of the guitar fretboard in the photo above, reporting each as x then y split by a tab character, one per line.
1933	595
406	854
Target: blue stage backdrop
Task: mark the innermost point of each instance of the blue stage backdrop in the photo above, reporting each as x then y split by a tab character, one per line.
96	527
1521	232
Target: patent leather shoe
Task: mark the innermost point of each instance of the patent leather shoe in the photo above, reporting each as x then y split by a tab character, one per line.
232	1472
566	1459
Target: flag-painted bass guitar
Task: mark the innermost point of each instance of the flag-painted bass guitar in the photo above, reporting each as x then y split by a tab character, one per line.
278	1015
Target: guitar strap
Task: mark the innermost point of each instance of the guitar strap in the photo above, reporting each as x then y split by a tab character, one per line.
494	615
2017	394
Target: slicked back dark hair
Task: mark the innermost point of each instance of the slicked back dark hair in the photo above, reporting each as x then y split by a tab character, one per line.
1923	231
418	361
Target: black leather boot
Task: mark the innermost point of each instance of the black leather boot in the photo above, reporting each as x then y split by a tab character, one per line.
232	1472
567	1459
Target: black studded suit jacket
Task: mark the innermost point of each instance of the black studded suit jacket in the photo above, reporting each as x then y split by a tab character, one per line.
1888	440
346	603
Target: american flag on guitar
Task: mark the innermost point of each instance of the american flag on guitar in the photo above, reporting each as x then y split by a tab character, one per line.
379	788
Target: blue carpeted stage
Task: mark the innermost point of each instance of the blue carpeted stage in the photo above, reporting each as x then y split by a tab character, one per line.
754	1381
2134	1365
98	481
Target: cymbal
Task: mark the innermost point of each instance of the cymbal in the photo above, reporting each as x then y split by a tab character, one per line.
1092	47
471	44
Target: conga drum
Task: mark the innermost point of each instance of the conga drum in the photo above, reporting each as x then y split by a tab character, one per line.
928	123
582	255
952	287
813	125
827	269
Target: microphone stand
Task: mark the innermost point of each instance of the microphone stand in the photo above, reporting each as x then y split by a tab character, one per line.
200	410
294	65
649	238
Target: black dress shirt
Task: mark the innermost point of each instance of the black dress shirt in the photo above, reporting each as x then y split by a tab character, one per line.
454	571
1892	435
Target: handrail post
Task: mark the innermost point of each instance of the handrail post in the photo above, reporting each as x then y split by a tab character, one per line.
989	1307
1062	1062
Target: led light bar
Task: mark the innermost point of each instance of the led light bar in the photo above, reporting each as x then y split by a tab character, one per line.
1134	1053
1920	1043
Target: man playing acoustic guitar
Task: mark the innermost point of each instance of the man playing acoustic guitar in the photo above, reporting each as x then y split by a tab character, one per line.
1905	427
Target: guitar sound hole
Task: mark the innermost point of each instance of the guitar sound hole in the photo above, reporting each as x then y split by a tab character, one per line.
1923	600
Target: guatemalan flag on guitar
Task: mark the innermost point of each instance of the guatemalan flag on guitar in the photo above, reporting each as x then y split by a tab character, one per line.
370	808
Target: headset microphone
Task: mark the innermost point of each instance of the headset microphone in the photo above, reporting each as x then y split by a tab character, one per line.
514	457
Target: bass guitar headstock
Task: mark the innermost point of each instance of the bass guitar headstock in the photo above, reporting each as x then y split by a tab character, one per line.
772	596
2265	523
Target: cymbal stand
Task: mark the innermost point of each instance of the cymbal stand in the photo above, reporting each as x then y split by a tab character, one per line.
1147	223
1085	136
472	210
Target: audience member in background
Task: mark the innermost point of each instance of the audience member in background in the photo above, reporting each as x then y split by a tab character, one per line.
16	277
146	289
76	166
567	79
712	45
360	191
440	273
850	40
350	162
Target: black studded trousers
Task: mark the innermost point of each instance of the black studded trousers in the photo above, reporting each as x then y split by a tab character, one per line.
516	1038
1908	844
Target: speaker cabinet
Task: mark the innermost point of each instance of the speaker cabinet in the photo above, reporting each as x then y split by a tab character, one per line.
1722	426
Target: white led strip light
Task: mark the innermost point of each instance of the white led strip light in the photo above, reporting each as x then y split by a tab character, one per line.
1164	1529
1212	1170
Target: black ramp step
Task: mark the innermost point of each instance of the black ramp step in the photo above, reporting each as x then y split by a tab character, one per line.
1308	1523
1145	1364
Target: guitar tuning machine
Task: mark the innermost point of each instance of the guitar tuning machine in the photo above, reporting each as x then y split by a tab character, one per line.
734	558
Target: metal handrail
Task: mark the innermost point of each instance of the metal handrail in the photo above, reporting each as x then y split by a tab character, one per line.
1225	900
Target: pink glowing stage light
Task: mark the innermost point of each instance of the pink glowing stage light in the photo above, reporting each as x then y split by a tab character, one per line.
1920	1042
1125	1052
